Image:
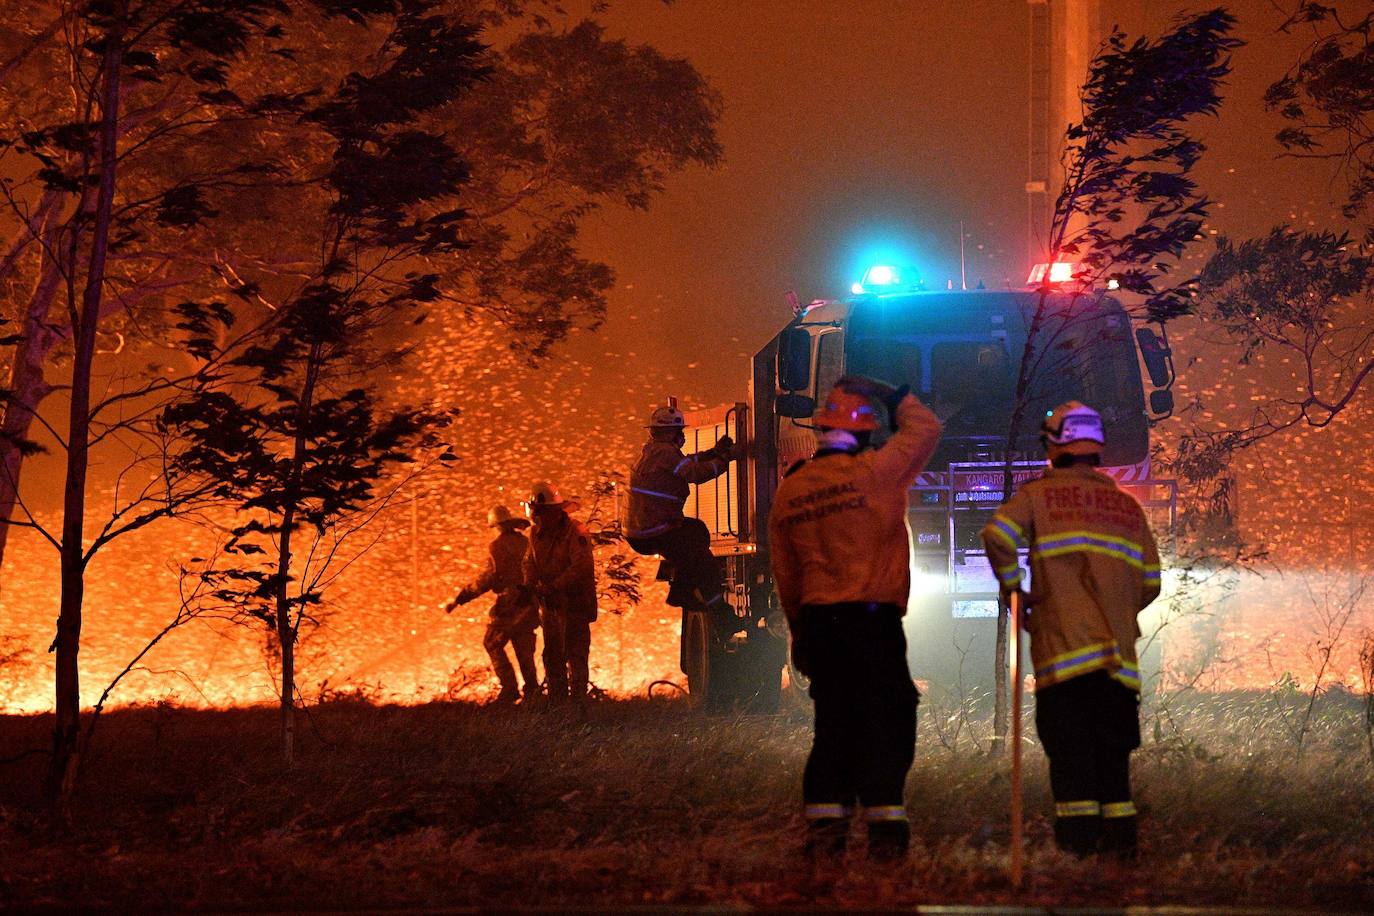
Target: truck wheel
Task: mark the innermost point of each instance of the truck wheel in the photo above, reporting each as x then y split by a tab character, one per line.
696	655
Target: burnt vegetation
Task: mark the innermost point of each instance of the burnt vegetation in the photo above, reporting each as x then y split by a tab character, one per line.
456	805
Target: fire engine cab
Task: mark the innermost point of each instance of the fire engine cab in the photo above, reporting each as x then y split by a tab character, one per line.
960	351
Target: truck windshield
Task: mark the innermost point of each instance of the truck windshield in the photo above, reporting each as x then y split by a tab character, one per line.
961	354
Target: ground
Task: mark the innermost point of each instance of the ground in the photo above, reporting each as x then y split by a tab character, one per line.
648	803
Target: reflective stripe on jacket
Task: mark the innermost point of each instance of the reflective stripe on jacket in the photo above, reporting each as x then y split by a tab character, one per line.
560	561
838	530
658	486
1094	567
505	575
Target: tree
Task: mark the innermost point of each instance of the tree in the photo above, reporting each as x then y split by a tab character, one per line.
289	431
216	169
1127	209
117	50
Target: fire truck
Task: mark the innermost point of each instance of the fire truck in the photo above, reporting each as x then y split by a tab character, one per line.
960	352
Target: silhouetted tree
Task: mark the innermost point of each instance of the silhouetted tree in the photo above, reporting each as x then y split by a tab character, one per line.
290	432
80	226
216	168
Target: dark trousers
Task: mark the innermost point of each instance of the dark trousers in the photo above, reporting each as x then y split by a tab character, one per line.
855	655
567	646
688	548
1089	725
520	638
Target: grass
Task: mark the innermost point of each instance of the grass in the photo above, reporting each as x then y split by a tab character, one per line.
646	803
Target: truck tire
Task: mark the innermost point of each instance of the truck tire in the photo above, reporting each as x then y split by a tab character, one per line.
696	655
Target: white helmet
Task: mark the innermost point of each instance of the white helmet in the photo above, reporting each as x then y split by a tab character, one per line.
1070	422
667	418
546	495
500	515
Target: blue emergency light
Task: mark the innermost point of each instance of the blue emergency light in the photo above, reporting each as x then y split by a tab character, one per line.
878	278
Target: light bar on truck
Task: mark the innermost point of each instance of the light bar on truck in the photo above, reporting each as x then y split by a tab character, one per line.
1058	272
877	278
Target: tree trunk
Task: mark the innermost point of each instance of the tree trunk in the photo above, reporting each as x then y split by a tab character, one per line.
286	637
286	625
65	759
28	387
999	679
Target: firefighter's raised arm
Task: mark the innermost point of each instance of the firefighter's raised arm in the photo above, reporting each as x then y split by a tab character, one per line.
918	432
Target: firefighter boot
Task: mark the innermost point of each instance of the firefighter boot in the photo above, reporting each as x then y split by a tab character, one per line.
888	841
826	838
1119	838
510	694
1077	835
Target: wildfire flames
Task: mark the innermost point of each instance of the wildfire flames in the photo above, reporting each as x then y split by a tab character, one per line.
382	632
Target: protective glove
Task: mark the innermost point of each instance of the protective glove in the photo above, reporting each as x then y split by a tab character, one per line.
725	447
1025	606
462	597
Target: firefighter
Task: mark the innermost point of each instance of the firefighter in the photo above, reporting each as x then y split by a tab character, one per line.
515	614
839	550
560	569
1094	566
655	523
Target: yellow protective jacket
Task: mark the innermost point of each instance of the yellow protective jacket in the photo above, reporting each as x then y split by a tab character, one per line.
1094	566
561	564
838	529
505	575
658	486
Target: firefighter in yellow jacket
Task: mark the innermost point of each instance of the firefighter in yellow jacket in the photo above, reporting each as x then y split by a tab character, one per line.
514	616
839	548
1094	566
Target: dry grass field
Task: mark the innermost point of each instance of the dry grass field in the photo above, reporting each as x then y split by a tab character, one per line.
455	805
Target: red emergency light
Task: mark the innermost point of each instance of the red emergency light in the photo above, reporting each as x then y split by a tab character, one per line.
1058	272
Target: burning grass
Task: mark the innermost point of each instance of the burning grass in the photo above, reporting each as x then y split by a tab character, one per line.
460	805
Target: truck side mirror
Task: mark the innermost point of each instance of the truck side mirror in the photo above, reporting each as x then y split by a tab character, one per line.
1156	356
794	360
794	406
1162	402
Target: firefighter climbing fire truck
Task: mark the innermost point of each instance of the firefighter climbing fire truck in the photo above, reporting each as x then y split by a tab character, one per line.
960	351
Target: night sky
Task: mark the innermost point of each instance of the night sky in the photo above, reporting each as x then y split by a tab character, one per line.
869	126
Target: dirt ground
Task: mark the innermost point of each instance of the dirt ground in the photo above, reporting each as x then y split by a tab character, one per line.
455	805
